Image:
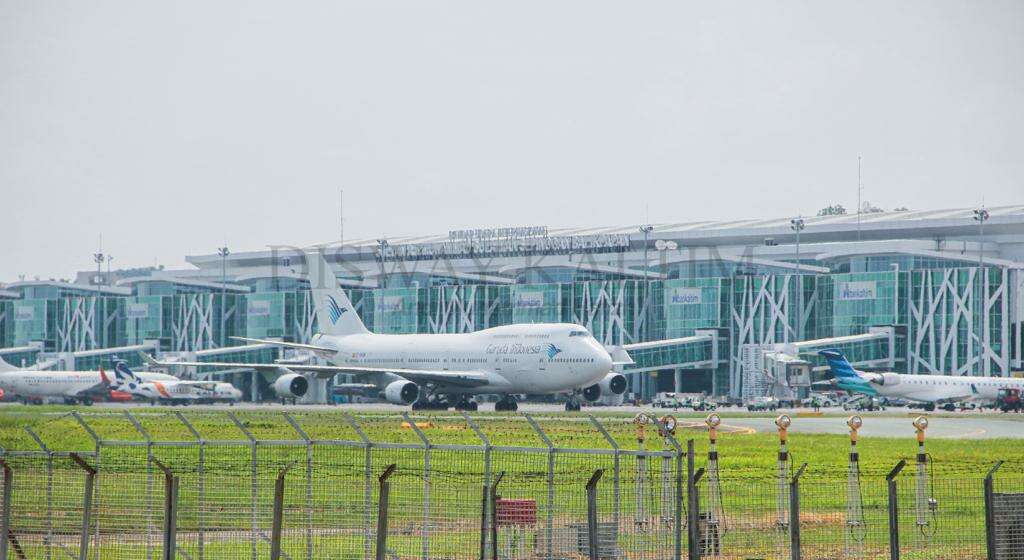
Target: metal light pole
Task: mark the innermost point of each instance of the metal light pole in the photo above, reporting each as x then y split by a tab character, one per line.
98	259
382	247
223	252
646	229
109	258
981	215
797	225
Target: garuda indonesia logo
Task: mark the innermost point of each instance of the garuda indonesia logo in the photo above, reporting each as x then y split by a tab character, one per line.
334	310
553	351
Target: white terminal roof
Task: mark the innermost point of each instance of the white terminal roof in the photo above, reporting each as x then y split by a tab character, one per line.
913	224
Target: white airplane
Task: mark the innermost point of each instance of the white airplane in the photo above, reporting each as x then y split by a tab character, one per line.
173	391
72	386
442	370
929	389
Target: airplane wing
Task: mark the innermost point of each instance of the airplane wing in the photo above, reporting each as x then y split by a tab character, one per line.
100	389
439	377
296	345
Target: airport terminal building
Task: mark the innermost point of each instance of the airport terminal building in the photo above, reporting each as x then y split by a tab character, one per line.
704	306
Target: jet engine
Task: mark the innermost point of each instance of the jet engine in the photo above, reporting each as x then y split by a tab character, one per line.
291	385
401	392
888	379
612	384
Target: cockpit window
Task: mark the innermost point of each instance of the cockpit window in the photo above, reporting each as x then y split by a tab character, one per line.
578	333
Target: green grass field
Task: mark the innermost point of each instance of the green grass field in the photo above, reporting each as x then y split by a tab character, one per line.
439	508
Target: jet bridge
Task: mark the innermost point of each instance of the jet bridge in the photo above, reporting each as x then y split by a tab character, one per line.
702	351
785	371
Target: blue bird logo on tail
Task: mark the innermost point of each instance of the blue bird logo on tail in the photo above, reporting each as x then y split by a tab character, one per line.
553	351
334	310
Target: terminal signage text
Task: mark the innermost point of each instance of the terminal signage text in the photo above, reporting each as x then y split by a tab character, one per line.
851	291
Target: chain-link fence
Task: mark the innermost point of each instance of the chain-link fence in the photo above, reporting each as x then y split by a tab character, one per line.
475	487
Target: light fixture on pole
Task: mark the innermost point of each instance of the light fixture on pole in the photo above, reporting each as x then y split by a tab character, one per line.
981	216
98	258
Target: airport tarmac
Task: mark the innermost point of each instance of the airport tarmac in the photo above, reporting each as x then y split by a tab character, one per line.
888	423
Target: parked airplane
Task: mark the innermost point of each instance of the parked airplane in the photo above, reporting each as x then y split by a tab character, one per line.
442	370
172	391
72	386
929	389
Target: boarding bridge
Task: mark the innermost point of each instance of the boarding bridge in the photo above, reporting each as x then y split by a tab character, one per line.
785	370
700	351
22	356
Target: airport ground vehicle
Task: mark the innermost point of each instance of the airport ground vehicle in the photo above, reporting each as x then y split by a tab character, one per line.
866	403
760	404
1008	400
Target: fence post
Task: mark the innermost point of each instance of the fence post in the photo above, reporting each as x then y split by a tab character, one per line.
254	490
692	504
487	481
616	468
368	481
170	540
90	477
309	481
894	519
990	528
550	513
425	537
494	514
5	520
278	522
382	511
149	481
201	475
592	537
97	446
794	514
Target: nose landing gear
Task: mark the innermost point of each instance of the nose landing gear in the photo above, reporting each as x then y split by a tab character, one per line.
573	404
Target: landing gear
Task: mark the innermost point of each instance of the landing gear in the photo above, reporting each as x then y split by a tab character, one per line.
468	405
573	404
430	404
507	403
930	407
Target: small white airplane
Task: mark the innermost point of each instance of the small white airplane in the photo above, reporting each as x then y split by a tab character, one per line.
174	391
72	386
929	389
440	370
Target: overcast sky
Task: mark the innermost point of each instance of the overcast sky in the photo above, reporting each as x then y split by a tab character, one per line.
173	127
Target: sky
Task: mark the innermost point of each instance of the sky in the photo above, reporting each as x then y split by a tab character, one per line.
172	128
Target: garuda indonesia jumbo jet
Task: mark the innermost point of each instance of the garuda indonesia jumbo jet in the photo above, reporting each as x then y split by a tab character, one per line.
929	389
442	370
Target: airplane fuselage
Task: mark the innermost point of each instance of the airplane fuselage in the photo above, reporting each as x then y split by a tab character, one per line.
66	384
936	388
517	359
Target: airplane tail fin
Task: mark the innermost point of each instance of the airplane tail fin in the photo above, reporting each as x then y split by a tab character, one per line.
125	377
334	312
838	364
4	366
